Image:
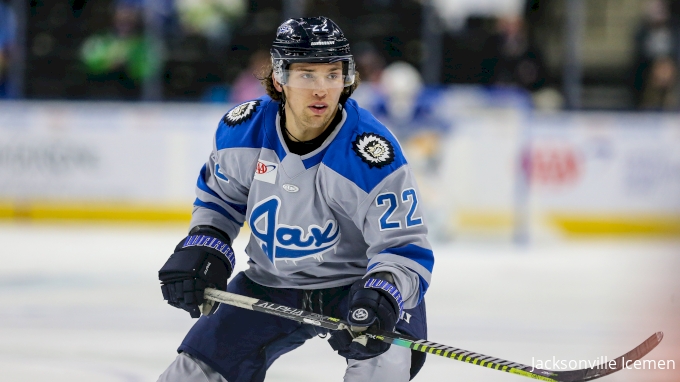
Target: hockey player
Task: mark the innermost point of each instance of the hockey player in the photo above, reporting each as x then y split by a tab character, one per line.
336	229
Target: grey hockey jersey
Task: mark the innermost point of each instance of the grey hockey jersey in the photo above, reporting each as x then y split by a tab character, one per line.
320	220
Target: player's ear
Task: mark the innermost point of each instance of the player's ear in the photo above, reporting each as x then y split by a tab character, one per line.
277	85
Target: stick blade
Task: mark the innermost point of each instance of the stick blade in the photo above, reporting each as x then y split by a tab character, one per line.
613	366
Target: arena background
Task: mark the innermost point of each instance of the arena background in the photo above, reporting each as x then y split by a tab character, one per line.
544	136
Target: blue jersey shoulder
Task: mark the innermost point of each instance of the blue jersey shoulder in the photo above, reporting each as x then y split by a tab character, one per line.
247	124
365	151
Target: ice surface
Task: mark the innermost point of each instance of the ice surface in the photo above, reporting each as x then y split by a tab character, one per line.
82	303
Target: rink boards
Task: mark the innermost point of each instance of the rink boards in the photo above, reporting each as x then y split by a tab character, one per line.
498	171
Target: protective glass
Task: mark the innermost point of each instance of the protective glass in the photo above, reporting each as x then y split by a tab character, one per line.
314	79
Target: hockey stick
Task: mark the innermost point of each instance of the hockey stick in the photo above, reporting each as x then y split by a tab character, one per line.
398	339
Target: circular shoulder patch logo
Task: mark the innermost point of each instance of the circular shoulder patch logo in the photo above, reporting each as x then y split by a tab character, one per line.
241	113
374	149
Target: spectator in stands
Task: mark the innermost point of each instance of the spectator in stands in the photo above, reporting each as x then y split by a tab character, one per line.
7	40
511	57
247	85
656	62
120	60
370	65
661	90
210	19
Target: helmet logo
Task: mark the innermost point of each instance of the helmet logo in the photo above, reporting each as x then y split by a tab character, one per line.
285	29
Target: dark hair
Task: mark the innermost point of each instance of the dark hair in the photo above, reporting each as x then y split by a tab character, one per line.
265	77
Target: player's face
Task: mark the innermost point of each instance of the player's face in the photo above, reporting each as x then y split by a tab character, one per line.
312	95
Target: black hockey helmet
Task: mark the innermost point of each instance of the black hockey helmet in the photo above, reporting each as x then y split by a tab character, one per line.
310	39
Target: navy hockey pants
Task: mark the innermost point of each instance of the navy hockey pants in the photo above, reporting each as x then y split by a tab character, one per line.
242	344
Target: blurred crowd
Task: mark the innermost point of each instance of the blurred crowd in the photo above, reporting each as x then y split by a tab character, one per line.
657	44
212	50
119	59
8	27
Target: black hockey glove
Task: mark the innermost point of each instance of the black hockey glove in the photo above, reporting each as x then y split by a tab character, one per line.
374	303
202	259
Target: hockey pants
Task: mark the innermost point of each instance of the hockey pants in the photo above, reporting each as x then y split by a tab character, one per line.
239	345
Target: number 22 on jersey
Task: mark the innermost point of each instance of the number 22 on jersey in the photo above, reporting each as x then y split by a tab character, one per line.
391	201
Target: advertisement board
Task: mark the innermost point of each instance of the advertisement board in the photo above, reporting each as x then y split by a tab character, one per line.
102	159
496	171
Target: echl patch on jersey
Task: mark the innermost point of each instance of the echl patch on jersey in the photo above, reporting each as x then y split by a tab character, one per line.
241	113
374	149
